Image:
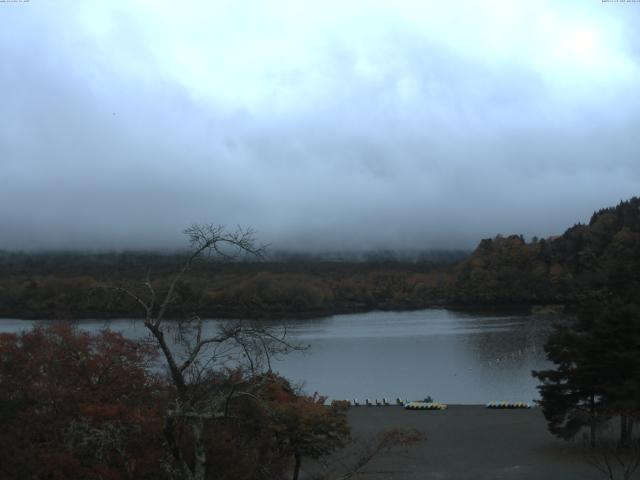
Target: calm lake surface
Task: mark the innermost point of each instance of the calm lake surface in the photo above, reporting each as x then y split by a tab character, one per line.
461	358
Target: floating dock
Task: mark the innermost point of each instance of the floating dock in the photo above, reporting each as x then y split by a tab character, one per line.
509	405
425	406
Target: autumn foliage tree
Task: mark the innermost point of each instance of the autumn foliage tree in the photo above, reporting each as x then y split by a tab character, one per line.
193	401
75	405
214	374
302	425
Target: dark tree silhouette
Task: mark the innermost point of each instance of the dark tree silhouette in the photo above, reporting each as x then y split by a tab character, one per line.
597	371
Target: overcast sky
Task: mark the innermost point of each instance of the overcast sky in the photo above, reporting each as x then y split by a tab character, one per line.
331	125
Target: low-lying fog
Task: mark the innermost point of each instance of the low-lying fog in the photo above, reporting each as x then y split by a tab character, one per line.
328	126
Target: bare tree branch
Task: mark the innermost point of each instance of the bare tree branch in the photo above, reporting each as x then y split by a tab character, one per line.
196	373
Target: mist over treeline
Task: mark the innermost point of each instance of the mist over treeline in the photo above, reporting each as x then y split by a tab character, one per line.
588	261
397	125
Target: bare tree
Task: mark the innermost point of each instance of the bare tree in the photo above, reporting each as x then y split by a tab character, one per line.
198	361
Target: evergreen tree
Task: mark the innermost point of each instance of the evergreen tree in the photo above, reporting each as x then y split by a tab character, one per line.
571	394
597	371
616	330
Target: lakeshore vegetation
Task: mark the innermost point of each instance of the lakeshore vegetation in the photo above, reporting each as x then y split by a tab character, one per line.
587	262
76	405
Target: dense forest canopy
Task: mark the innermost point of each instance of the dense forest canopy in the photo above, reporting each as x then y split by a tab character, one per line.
596	259
593	260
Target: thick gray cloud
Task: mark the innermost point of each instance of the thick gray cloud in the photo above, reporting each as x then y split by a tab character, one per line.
323	125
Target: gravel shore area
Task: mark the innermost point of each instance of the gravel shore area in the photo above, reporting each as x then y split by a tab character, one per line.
472	442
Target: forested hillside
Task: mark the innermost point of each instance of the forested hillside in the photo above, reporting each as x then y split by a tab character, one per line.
593	260
77	286
587	261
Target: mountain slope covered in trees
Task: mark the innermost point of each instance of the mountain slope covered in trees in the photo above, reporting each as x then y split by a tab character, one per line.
587	261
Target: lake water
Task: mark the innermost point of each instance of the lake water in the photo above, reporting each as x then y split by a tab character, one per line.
462	358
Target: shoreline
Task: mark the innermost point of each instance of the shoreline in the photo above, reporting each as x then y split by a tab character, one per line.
515	309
